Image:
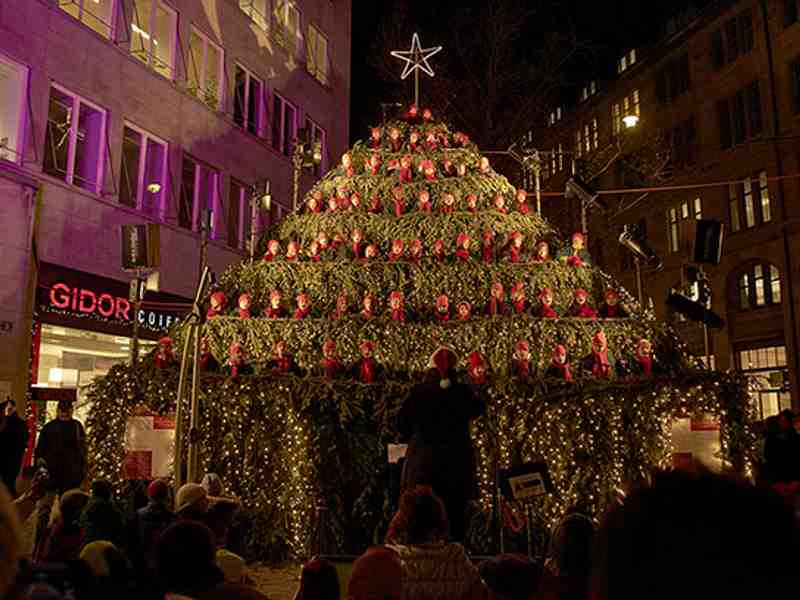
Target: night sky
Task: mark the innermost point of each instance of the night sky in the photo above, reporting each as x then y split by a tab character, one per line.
610	27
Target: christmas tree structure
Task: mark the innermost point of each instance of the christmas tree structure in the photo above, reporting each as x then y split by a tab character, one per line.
410	243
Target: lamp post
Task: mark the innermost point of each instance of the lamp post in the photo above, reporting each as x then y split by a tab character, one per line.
260	197
307	154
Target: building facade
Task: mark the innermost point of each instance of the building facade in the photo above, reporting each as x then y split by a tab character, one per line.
118	112
718	107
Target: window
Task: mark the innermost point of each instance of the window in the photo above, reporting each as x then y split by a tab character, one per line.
75	140
560	157
199	192
579	142
286	25
205	69
238	215
627	61
318	134
143	174
257	11
733	40
555	116
619	110
673	80
589	90
96	14
766	367
790	12
153	34
681	141
794	68
759	286
685	210
317	54
749	202
248	106
284	125
740	116
13	89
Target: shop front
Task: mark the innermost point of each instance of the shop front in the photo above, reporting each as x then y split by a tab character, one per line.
83	325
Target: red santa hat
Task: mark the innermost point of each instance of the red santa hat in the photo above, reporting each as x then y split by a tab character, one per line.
518	287
366	345
610	293
559	350
488	235
219	298
396	295
462	237
523	193
328	347
522	346
545	292
274	294
444	360
600	338
442	300
165	341
578	236
580	292
497	286
415	243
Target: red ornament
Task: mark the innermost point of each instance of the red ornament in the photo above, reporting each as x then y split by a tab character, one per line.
218	302
396	306
164	356
397	251
245	300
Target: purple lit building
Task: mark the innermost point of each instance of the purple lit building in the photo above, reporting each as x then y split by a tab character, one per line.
115	112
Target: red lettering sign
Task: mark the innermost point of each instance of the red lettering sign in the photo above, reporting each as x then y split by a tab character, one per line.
123	309
88	301
106	305
59	295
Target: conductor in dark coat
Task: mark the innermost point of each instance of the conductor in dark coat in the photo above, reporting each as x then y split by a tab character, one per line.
435	417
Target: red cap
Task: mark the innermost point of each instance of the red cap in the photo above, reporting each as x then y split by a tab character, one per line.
329	346
545	291
442	300
580	292
475	359
165	341
522	346
158	490
366	345
445	361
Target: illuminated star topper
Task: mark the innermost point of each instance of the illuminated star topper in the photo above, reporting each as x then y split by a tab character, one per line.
416	60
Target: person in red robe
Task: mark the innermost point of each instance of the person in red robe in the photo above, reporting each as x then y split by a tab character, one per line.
499	204
357	239
330	365
559	367
371	252
463	243
611	307
207	360
394	139
477	369
438	250
375	138
448	203
274	310
546	310
355	201
442	308
413	141
369	309
522	359
398	201
367	366
245	301
273	251
541	252
281	361
515	247
347	164
487	246
292	250
397	251
576	255
303	306
236	364
373	164
165	356
428	169
406	173
342	309
522	201
463	311
217	304
600	363
518	300
424	204
644	356
415	250
580	305
497	301
375	205
315	202
472	203
396	306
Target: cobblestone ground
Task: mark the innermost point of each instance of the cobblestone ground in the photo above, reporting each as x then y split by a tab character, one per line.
276	582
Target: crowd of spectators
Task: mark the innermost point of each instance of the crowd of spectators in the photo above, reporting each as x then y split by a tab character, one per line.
684	533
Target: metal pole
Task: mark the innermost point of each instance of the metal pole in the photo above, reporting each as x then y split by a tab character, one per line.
178	459
253	222
416	88
707	346
528	526
194	419
639	289
537	173
584	218
137	304
204	223
297	164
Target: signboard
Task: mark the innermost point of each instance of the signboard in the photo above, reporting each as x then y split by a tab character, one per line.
45	394
84	301
149	447
698	441
140	246
525	481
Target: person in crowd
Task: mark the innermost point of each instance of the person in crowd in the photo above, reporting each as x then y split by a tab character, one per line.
61	449
100	519
511	577
696	535
146	526
213	485
782	451
186	566
378	573
571	547
31	487
436	417
318	581
432	566
10	543
109	573
13	442
64	540
191	503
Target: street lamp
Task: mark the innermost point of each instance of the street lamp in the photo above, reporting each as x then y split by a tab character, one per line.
630	121
306	155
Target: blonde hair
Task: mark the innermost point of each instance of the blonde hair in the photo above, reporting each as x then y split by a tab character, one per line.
10	541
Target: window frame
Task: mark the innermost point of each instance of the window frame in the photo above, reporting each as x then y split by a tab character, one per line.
733	39
215	203
201	82
319	35
69	175
142	166
313	127
150	62
112	27
280	144
264	22
244	214
747	196
764	282
688	209
260	117
280	28
22	118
